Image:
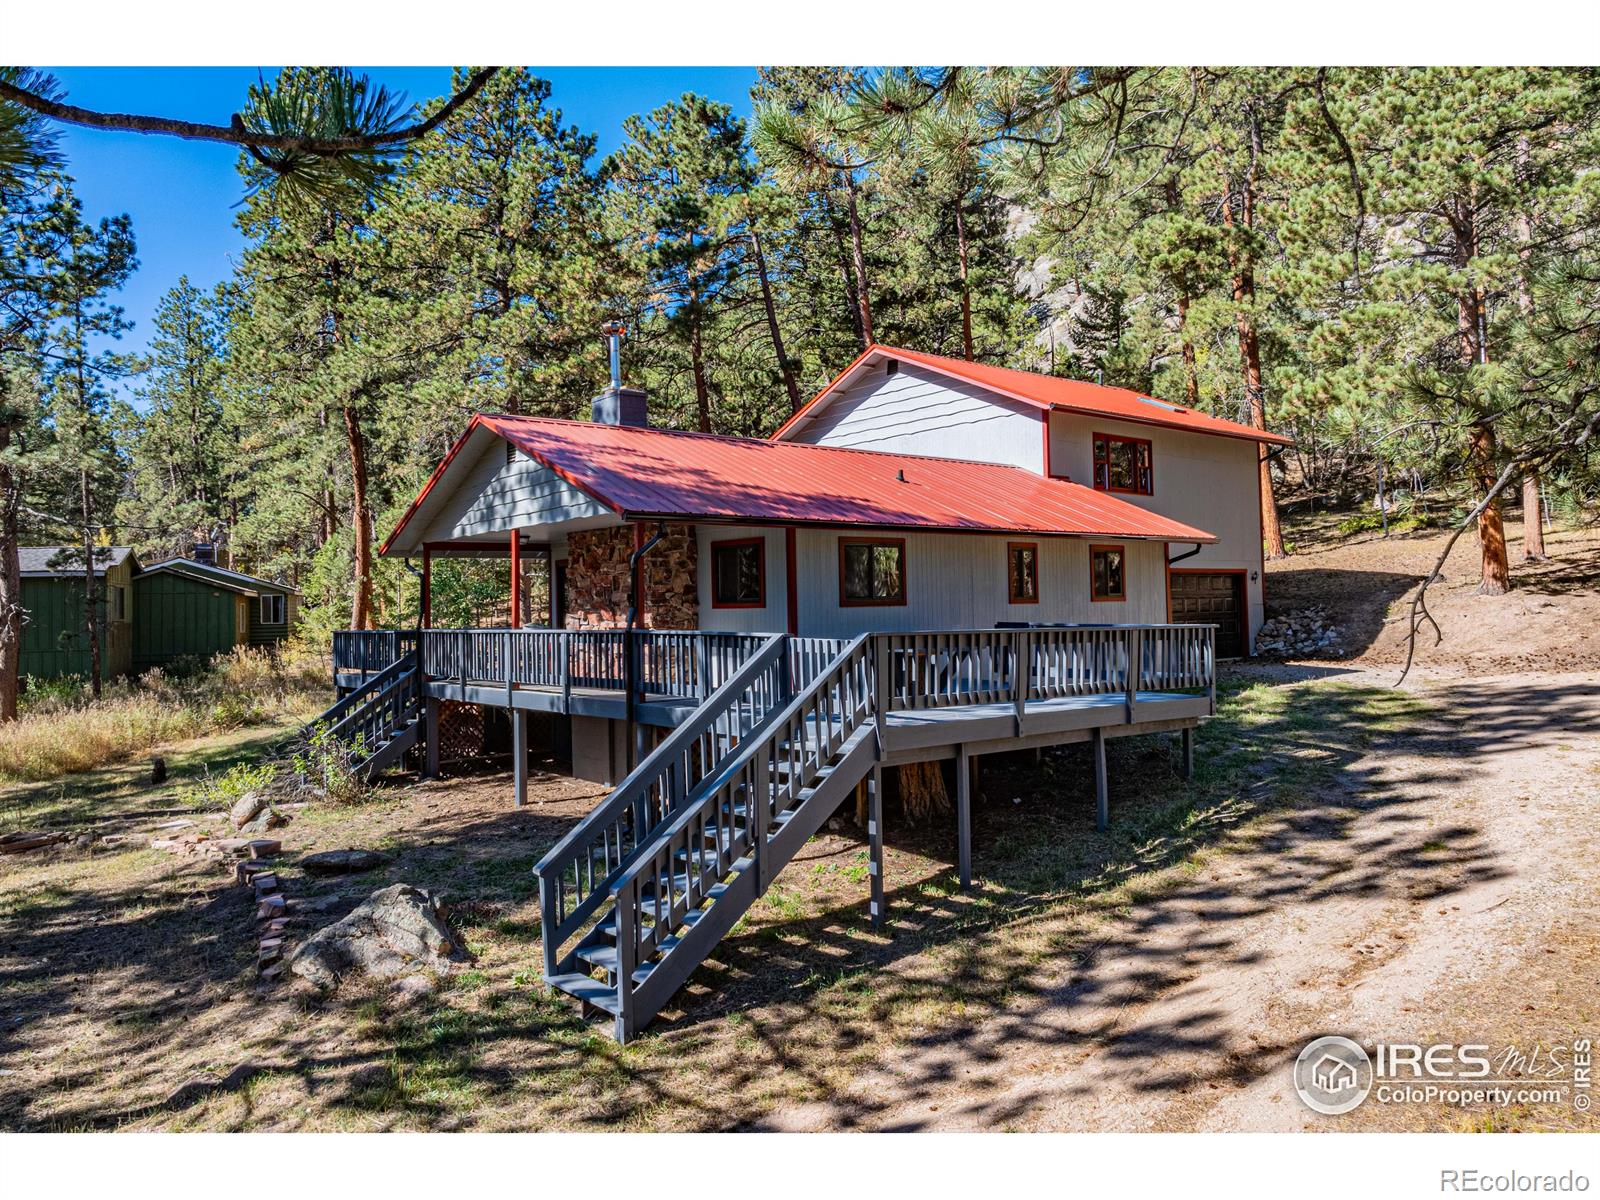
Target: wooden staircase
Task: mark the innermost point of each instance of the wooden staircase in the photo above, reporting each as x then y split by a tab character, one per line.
380	720
655	877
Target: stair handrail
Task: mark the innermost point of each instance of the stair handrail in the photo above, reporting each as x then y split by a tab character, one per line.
405	684
753	767
335	713
624	824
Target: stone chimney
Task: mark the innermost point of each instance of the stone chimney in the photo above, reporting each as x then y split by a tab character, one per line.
618	405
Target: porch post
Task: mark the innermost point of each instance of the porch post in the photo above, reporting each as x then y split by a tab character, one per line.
427	588
875	844
965	765
516	580
430	729
519	755
791	582
1102	798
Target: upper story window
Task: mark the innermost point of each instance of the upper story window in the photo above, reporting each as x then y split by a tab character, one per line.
274	610
739	573
1022	572
1108	573
872	571
1122	464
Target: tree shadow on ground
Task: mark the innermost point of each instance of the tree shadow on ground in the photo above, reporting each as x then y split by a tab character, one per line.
1291	782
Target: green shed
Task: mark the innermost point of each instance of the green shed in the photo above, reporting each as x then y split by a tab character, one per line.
272	610
54	640
182	615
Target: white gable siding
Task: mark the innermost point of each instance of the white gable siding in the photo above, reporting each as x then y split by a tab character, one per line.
771	618
917	411
958	581
497	497
1206	481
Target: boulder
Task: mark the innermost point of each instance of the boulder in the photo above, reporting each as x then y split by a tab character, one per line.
246	807
396	931
343	862
267	818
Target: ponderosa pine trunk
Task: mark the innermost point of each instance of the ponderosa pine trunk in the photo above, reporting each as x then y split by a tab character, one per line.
697	363
790	385
360	519
1532	504
1532	520
859	260
1472	324
1242	268
966	289
10	574
1191	372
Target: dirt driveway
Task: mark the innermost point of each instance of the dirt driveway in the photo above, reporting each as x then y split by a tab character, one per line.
1448	891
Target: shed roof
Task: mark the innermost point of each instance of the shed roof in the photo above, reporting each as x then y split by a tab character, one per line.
1043	392
36	561
221	575
647	473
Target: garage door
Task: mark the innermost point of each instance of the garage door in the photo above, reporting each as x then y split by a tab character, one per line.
1212	598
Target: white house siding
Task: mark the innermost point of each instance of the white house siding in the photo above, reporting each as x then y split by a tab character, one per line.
774	616
958	581
916	411
1206	481
497	497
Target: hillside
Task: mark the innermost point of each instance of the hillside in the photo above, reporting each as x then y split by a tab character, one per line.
1550	622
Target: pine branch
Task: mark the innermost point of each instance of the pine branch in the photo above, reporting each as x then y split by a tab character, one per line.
235	132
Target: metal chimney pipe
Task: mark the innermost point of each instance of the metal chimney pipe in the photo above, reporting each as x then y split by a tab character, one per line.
614	331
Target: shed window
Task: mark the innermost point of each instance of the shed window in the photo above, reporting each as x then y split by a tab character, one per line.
739	573
272	610
1108	573
1123	464
1022	572
118	603
872	571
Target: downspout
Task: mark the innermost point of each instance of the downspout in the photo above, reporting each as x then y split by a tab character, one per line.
1186	554
630	658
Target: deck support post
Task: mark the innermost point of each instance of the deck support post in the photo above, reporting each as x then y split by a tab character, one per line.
875	844
430	731
1102	798
966	766
519	755
1186	741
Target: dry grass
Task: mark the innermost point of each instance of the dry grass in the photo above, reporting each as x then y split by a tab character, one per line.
63	732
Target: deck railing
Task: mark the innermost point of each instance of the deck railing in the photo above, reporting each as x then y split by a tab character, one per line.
924	670
986	666
684	663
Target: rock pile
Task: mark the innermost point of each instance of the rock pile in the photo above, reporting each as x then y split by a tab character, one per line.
397	931
1303	633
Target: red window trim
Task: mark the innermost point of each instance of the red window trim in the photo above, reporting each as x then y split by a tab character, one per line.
898	602
1011	548
1095	548
761	560
1094	472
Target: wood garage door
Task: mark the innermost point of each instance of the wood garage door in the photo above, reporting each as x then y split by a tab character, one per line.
1212	598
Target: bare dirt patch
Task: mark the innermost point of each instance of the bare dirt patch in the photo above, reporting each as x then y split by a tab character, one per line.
1549	622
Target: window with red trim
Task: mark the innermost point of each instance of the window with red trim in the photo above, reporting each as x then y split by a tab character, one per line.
739	573
1108	573
1123	464
872	571
1022	572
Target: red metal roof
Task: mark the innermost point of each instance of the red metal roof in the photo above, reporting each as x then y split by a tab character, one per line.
1047	392
661	473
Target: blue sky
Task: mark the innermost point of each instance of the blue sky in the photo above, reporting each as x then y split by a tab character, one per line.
182	195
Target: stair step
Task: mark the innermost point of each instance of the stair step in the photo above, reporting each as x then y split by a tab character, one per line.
605	957
680	879
587	989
